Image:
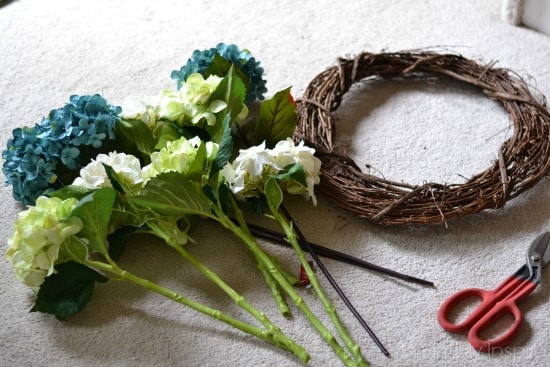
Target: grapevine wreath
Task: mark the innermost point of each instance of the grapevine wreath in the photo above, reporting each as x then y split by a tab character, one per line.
521	162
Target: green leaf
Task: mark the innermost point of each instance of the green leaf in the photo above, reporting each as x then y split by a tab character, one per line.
277	119
196	168
294	172
95	212
221	67
119	238
231	90
172	194
225	149
67	291
70	191
138	134
258	205
76	249
125	215
168	131
224	194
115	181
273	193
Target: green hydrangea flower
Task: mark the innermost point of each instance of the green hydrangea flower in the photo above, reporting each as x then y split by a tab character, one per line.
191	102
39	233
177	156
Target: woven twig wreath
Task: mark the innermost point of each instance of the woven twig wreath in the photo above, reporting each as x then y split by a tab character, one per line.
521	161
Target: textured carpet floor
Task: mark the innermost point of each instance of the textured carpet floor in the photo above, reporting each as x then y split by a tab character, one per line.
407	131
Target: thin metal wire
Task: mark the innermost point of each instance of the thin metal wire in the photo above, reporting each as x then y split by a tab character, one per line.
279	238
334	284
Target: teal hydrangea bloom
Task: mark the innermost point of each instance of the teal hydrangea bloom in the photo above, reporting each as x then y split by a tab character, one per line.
34	154
243	59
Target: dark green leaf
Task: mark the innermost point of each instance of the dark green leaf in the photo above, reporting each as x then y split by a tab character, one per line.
225	149
118	239
257	204
138	134
172	194
277	119
273	193
95	212
68	291
294	172
113	177
224	196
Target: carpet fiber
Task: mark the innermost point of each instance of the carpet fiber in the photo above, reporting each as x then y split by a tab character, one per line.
413	132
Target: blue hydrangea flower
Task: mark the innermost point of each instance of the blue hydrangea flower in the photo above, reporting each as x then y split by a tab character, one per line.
201	60
34	156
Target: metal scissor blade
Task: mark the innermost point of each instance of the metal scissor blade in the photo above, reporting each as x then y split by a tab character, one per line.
540	250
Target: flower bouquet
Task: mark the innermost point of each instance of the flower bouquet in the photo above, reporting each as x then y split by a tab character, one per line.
91	174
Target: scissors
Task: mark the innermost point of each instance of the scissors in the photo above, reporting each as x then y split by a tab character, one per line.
499	302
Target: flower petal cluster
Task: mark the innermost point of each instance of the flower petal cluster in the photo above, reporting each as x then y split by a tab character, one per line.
145	109
190	105
39	233
177	156
34	154
191	101
247	174
126	166
243	59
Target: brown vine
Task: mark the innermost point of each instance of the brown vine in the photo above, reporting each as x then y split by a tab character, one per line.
521	161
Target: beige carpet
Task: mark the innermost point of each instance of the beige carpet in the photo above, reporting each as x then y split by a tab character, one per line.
406	131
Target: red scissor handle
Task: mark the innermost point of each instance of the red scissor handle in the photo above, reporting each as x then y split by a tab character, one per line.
507	306
488	300
494	305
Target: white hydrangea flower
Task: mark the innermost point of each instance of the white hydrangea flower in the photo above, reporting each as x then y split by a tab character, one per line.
39	233
145	109
247	174
126	166
285	153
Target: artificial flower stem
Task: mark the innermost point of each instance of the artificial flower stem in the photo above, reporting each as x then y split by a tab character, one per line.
275	290
278	335
331	311
347	302
266	335
244	234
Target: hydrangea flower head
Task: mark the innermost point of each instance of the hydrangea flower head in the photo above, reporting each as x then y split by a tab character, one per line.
144	109
247	174
190	102
243	59
126	166
34	155
177	156
39	234
28	165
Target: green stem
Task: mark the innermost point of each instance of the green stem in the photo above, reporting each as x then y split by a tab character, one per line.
244	234
279	337
275	290
117	272
314	281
